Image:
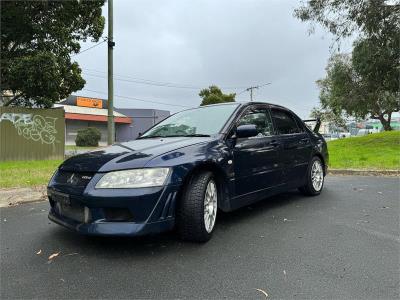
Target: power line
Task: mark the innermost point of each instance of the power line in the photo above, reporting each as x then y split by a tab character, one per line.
138	99
140	79
87	49
148	82
154	82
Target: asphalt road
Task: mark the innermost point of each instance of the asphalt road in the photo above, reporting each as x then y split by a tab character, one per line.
343	244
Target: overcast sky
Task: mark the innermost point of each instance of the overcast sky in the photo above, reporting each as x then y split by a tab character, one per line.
230	43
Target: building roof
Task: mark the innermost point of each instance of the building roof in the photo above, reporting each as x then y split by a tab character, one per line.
73	112
87	110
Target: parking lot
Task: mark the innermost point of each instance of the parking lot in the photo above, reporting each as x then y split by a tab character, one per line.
343	244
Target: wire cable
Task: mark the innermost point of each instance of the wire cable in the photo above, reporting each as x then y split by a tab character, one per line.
138	99
153	82
160	84
87	49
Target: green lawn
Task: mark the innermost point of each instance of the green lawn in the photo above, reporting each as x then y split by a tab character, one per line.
73	147
26	173
377	151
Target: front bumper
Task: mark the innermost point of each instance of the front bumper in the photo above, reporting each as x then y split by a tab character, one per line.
128	212
112	228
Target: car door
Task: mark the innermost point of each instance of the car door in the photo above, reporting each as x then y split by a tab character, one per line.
296	146
255	158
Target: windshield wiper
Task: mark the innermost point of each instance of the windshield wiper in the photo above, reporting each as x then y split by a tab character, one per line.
197	135
175	135
150	136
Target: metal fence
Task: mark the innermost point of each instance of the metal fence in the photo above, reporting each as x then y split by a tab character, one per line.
31	133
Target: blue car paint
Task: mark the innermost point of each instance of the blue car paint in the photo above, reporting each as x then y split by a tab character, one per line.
153	209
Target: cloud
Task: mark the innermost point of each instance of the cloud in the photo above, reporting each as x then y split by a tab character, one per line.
235	43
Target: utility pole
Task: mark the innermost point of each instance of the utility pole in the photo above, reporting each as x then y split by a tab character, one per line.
110	102
250	89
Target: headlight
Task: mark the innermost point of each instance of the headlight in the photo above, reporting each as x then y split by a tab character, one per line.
135	178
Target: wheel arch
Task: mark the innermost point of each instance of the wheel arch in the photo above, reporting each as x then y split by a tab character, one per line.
321	157
220	177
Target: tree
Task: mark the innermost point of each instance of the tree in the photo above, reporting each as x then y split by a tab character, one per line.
37	40
350	88
366	82
326	115
346	17
214	95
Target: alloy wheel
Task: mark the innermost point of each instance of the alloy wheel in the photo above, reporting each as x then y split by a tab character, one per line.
317	175
210	206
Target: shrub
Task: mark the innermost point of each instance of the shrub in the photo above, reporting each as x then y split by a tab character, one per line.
88	137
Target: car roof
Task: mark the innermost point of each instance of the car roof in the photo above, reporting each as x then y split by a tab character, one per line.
248	103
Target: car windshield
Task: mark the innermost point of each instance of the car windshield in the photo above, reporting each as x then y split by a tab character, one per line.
202	121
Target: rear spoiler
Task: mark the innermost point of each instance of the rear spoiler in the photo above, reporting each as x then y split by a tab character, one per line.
317	124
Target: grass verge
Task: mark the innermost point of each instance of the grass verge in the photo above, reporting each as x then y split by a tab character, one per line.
73	147
379	151
26	173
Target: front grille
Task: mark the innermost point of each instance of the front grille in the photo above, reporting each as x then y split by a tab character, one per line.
71	182
72	178
75	211
115	214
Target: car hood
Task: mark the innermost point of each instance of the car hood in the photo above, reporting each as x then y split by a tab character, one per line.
129	155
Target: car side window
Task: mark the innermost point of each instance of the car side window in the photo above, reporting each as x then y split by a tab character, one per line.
284	122
260	118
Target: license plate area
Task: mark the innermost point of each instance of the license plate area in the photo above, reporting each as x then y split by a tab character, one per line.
61	198
69	209
75	212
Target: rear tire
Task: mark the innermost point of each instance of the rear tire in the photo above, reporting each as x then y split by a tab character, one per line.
197	210
315	178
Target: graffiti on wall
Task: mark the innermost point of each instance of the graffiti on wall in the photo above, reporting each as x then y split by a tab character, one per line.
33	127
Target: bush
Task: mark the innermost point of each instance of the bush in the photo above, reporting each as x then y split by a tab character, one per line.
88	137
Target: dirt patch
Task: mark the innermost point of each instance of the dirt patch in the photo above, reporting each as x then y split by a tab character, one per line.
351	172
15	196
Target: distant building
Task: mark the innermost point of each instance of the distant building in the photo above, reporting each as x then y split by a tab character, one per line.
377	125
81	112
143	120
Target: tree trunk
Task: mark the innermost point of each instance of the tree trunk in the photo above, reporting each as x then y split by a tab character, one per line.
12	100
385	123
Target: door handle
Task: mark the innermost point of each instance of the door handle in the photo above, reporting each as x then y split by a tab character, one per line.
239	146
304	141
274	143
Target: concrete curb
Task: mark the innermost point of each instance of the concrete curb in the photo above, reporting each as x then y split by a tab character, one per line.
353	172
15	196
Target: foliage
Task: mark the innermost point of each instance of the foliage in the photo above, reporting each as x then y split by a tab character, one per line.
37	38
346	17
374	151
26	173
88	137
214	95
364	84
327	115
353	87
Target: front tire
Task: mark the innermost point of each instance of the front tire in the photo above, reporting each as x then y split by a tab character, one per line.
315	178
197	210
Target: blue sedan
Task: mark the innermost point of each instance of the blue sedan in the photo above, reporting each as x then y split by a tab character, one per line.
185	169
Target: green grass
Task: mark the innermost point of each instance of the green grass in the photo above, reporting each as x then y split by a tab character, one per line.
26	173
73	147
379	151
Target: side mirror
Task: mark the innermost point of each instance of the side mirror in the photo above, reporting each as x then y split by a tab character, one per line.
245	131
